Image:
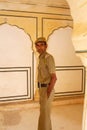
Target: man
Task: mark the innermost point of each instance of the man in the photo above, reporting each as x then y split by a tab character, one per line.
46	82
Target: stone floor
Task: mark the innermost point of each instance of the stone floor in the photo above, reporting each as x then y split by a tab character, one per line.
64	117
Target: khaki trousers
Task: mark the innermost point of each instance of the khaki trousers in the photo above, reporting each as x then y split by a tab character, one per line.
44	122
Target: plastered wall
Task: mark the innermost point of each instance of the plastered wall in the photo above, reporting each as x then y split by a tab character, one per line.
20	28
22	17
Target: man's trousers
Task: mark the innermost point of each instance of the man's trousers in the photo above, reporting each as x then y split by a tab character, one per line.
44	122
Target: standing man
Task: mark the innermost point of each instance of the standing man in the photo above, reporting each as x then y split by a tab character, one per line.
46	82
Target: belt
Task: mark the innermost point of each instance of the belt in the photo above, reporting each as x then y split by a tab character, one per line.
42	85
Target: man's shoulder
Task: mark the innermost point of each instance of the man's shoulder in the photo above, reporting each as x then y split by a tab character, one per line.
47	55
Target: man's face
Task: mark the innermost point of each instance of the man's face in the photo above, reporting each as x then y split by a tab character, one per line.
41	47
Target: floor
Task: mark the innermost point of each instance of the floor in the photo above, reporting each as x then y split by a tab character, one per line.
64	117
67	117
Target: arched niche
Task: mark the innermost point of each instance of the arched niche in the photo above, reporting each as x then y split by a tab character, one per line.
69	67
15	63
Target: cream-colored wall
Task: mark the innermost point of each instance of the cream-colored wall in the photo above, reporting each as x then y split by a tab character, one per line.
57	28
78	12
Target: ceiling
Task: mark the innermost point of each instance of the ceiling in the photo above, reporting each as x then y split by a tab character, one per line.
55	3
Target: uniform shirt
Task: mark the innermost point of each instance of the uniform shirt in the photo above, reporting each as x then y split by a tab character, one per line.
45	68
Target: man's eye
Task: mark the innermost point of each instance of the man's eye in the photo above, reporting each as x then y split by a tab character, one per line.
40	45
37	45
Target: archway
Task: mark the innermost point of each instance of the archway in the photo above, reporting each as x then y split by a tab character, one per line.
78	10
15	63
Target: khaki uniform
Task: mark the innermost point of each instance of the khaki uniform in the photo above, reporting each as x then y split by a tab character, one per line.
45	68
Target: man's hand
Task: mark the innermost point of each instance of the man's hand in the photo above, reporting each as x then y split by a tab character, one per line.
48	91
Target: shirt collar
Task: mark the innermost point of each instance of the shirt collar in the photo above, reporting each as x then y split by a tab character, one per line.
42	55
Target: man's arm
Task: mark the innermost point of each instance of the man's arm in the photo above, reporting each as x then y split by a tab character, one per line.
52	83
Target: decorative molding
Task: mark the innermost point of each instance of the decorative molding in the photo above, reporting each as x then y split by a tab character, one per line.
81	51
27	70
81	91
32	12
